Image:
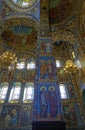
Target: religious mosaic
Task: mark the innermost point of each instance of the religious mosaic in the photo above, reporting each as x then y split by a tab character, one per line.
49	105
20	37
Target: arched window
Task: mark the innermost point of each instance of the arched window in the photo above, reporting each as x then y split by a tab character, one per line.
20	65
58	64
63	91
15	92
3	91
28	93
77	63
31	65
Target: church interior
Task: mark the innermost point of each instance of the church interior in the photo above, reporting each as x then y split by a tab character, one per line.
42	63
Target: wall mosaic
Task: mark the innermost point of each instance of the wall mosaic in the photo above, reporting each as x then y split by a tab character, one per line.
47	99
10	116
49	107
46	69
26	116
14	117
63	35
70	114
45	46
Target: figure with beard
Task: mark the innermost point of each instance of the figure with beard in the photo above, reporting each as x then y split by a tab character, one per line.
52	97
43	102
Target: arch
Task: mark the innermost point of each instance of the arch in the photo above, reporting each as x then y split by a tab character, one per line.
15	92
28	96
64	35
19	8
3	91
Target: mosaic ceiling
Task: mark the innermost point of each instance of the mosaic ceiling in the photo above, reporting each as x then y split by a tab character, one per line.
60	10
21	38
24	3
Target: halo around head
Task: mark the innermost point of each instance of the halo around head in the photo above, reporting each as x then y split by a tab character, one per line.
43	87
51	87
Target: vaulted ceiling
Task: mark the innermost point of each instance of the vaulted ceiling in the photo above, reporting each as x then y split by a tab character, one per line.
66	18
